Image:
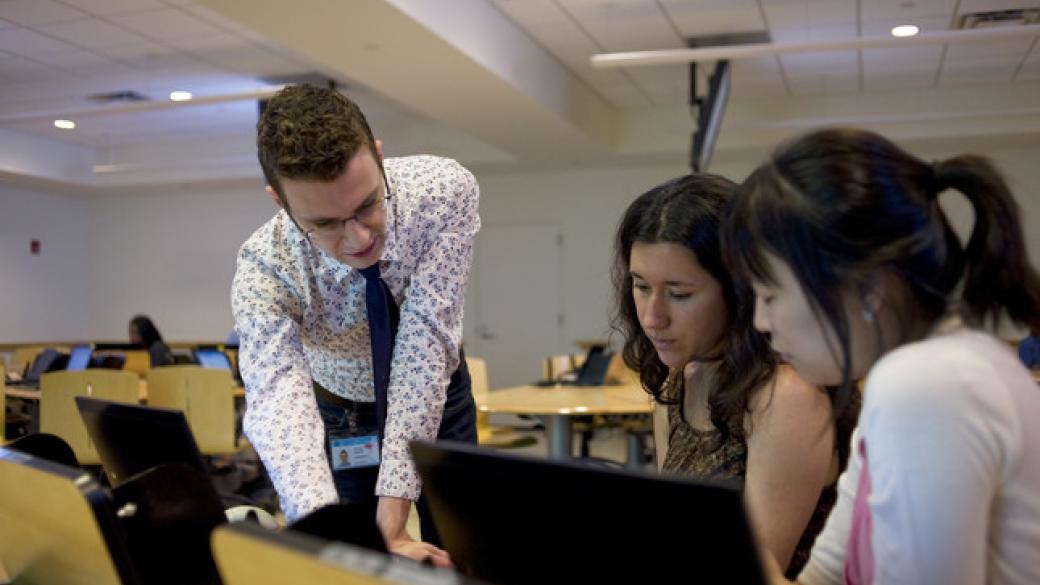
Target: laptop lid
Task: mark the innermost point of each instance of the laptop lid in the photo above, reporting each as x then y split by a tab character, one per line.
79	358
212	358
131	438
594	370
515	520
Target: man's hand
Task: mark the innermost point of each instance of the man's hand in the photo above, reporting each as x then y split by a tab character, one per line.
392	516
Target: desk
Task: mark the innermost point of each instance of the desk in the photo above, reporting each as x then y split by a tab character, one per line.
559	403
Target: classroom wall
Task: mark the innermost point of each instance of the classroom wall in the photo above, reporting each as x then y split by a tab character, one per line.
42	296
170	253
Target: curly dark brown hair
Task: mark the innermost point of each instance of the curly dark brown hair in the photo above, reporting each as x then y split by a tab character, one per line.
687	211
309	133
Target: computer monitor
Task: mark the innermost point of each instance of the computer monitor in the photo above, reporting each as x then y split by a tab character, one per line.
59	525
79	358
212	358
513	520
131	438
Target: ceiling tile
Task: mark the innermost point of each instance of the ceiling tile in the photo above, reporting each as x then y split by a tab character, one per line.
665	84
135	51
19	68
531	13
896	10
991	48
810	14
73	59
92	34
27	43
38	12
169	24
924	59
633	25
796	34
994	69
6	24
113	7
822	62
712	17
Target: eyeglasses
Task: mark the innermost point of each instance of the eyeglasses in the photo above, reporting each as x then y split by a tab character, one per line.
330	230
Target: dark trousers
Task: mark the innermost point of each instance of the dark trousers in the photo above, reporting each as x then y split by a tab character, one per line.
347	418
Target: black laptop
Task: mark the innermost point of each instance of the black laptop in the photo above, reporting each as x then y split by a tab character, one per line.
131	438
514	520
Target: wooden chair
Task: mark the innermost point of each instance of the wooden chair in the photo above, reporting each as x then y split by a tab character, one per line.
554	366
488	435
59	526
59	415
3	408
205	397
137	361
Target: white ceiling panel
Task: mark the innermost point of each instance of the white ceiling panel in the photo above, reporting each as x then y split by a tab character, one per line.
38	12
896	10
615	87
232	53
757	78
169	24
823	62
711	17
899	60
92	34
114	7
995	69
22	41
809	14
629	25
820	33
15	67
1015	48
135	51
567	43
531	14
5	24
74	59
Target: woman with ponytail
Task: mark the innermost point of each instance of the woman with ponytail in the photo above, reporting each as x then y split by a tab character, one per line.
858	276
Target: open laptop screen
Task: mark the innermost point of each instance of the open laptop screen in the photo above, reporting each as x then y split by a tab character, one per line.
212	358
79	358
515	520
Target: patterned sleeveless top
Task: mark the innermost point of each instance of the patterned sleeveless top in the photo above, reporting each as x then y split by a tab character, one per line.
699	455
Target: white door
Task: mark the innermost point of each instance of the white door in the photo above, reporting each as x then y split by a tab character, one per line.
513	305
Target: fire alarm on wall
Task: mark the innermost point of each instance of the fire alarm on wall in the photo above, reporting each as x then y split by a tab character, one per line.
34	247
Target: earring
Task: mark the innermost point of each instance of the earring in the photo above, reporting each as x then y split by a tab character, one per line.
868	316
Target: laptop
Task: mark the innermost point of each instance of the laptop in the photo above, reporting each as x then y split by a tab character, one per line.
79	358
48	360
593	370
514	520
131	438
211	357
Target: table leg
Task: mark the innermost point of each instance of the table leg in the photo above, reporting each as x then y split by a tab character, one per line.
558	428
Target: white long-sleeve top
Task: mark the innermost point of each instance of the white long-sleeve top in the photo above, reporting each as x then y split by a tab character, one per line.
950	428
300	315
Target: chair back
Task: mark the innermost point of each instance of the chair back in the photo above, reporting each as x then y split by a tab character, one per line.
555	366
3	407
478	380
59	415
137	361
205	396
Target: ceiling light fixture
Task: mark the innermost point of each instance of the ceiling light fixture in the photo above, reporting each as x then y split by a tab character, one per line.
905	30
64	124
180	96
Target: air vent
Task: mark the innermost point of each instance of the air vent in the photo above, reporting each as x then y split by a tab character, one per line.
997	18
119	97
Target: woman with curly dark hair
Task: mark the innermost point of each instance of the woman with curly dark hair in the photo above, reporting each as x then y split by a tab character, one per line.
733	412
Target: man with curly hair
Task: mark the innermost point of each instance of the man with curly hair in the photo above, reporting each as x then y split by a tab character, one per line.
348	303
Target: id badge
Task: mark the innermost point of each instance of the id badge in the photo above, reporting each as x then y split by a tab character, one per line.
354	452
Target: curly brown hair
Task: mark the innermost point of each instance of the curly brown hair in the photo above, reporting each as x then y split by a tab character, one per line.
309	133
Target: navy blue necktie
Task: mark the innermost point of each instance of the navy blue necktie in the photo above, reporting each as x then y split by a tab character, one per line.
383	316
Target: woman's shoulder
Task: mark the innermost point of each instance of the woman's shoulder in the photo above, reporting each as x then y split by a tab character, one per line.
787	398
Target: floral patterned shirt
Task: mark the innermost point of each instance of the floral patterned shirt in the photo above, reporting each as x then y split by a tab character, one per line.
300	315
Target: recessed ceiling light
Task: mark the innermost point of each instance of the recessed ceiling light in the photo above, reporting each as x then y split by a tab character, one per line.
180	96
905	30
64	124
